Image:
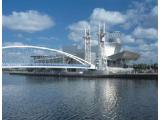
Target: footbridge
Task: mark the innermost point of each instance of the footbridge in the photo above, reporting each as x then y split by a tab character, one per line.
41	57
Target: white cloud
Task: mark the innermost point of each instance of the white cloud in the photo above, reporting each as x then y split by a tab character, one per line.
132	18
94	42
77	30
100	15
139	41
13	44
142	14
46	38
148	52
39	52
148	47
149	33
19	35
150	19
140	19
154	11
130	48
79	26
148	57
29	21
127	39
75	36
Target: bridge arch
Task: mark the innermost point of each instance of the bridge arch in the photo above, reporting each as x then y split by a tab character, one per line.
78	59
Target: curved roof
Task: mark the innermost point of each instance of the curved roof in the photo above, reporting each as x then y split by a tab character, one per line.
127	55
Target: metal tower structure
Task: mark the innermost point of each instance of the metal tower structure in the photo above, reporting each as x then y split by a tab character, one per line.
114	36
101	48
87	45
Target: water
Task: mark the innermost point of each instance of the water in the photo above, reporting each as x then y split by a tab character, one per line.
49	98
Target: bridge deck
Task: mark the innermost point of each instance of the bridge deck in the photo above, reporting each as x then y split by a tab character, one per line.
49	66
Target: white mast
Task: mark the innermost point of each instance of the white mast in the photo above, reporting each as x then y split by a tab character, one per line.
101	47
87	44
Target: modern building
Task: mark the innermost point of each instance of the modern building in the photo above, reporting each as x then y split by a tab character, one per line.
107	55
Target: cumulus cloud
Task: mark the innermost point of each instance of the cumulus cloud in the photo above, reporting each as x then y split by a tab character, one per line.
148	52
142	14
75	36
132	17
29	21
81	25
154	11
13	44
140	21
19	35
127	39
46	38
77	30
148	57
100	15
149	33
39	52
148	47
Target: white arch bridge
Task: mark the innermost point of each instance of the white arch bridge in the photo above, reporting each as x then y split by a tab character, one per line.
41	57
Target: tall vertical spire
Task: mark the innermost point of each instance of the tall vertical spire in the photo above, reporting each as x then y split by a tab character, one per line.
87	43
101	46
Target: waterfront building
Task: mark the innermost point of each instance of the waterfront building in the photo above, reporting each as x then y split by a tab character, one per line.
107	56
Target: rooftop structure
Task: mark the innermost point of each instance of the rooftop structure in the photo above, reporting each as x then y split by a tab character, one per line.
124	55
106	56
107	53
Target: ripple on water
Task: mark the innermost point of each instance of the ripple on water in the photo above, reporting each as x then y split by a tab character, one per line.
48	98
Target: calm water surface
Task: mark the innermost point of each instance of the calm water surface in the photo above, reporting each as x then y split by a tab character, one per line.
49	98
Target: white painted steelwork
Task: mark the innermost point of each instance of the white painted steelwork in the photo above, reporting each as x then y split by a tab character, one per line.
87	45
86	64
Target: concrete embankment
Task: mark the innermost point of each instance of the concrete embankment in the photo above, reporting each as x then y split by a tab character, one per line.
130	76
73	74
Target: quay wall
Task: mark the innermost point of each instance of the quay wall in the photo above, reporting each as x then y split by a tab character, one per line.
73	74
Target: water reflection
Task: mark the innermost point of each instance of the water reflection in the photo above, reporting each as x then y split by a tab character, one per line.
40	97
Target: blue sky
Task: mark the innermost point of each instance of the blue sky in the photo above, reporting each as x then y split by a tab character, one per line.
54	23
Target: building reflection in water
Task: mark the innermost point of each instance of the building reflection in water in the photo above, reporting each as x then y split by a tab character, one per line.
80	98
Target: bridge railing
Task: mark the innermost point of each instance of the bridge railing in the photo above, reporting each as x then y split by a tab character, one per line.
42	64
20	56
